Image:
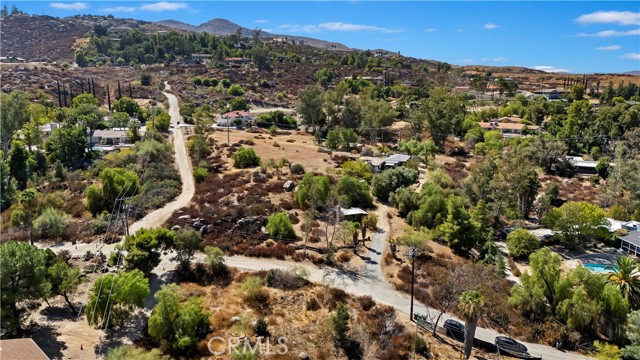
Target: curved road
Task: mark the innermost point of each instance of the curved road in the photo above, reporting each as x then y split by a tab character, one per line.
370	282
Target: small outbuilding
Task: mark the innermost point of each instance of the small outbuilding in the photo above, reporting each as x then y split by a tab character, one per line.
21	349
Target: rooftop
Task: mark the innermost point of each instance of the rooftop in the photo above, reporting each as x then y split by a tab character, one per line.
236	114
507	126
396	158
352	211
21	349
632	238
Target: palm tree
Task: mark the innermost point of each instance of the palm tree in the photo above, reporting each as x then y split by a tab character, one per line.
471	303
626	278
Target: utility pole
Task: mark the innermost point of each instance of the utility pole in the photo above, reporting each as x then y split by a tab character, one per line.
412	256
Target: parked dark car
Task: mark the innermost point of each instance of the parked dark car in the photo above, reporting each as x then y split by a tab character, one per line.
454	329
510	346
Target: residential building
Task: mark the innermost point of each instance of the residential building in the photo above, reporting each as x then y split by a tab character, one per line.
508	129
115	136
237	61
581	165
47	129
631	242
236	118
378	164
21	349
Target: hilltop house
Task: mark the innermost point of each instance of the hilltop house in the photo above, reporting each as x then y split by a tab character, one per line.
114	136
508	129
236	118
236	61
378	164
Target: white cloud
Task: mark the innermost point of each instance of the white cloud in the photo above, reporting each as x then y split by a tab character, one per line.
490	26
495	59
261	21
631	56
335	26
610	17
612	33
550	69
165	6
430	30
608	48
76	6
118	9
465	61
340	26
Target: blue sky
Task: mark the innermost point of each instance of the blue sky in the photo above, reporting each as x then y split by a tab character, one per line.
556	36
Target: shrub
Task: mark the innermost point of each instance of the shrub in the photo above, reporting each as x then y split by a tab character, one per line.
279	226
353	192
389	180
313	304
420	346
261	328
273	130
52	223
245	158
199	174
145	79
521	243
340	322
366	302
252	291
297	169
284	280
236	90
226	83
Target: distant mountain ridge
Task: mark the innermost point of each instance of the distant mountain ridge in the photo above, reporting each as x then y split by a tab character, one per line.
224	27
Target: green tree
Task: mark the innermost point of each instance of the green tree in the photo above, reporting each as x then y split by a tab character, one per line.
26	212
23	277
376	114
18	157
52	223
444	114
576	220
458	230
312	191
245	158
85	99
215	259
358	169
340	322
129	352
67	144
537	291
120	120
7	184
632	351
522	243
386	182
107	308
613	312
143	248
118	182
187	243
64	281
471	304
179	326
279	226
127	105
352	192
13	115
310	106
626	277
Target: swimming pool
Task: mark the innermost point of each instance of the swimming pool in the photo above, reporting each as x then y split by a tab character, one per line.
599	268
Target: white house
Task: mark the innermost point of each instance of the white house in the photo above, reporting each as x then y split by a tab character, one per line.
115	136
236	118
47	129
